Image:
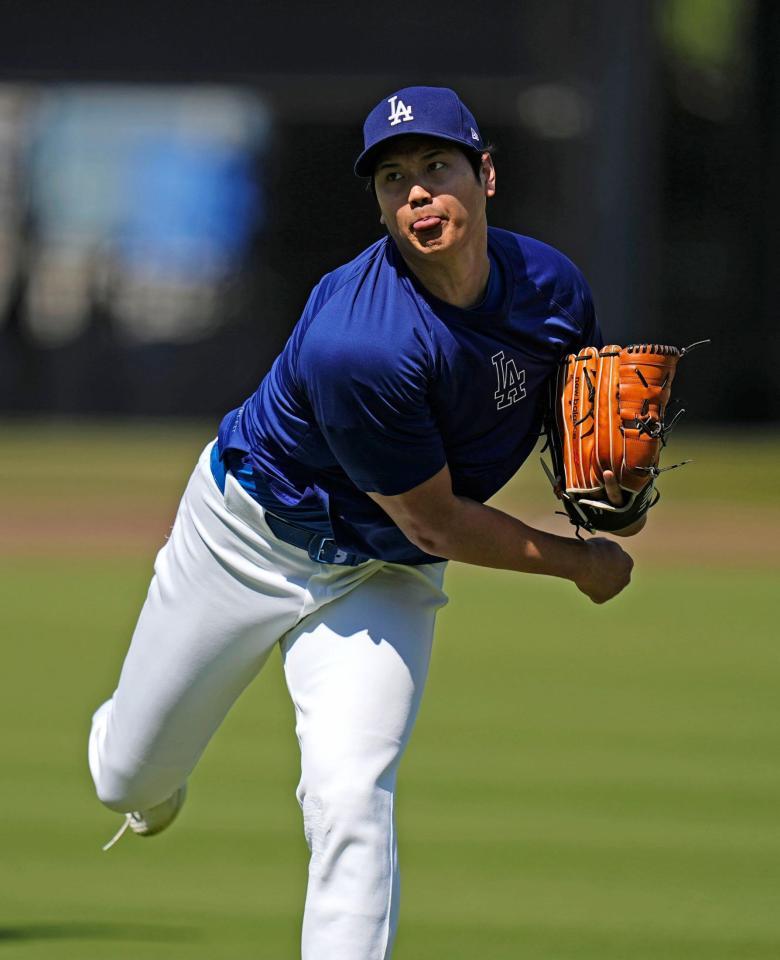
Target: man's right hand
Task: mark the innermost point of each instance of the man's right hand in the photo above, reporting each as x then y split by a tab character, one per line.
606	569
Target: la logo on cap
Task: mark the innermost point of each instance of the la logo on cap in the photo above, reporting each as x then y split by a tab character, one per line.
399	111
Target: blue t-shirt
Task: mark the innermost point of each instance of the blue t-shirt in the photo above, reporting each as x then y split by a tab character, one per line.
381	384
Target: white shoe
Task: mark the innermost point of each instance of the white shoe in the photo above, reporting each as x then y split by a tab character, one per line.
148	822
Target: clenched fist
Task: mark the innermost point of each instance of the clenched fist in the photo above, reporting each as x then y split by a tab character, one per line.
606	569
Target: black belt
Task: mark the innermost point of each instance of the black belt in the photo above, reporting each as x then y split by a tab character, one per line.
320	548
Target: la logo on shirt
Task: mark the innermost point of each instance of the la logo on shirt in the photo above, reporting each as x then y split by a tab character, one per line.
511	381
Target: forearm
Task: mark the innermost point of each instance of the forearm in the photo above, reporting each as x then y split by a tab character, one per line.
474	533
445	525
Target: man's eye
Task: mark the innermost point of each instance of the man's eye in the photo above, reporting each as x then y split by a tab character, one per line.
393	176
437	165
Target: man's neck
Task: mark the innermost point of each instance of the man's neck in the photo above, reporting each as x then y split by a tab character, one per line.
459	280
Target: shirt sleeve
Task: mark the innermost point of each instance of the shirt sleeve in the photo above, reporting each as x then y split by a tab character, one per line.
573	303
371	403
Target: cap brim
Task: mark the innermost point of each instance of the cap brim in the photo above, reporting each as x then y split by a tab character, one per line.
364	165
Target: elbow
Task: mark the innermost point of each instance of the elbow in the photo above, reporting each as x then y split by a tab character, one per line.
430	538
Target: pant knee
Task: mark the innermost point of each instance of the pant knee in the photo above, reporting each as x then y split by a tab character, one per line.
118	791
135	788
336	817
121	783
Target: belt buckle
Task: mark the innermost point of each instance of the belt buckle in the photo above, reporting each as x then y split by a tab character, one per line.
320	552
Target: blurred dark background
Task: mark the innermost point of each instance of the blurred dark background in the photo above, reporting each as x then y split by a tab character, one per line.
174	177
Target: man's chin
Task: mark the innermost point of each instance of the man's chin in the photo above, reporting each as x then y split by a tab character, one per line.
428	239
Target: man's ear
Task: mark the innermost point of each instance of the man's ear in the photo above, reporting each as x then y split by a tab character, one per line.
382	219
487	175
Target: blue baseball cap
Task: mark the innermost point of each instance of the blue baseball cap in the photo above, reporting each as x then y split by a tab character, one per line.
430	111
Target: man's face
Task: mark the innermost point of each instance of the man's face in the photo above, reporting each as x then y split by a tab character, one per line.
431	202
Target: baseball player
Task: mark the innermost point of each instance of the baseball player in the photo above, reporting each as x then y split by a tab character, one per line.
323	515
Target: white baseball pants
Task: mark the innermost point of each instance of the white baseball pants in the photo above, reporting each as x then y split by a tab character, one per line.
356	643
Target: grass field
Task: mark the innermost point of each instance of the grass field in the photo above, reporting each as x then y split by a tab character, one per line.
610	793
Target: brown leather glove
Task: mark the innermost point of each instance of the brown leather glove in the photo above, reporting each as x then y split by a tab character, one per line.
607	412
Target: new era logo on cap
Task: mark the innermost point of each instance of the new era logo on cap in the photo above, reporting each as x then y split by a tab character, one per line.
429	111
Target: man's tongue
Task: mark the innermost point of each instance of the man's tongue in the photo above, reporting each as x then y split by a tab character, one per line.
426	223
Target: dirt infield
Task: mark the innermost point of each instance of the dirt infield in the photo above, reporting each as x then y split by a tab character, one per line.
102	530
720	535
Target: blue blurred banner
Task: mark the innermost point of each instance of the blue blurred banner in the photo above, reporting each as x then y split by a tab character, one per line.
142	199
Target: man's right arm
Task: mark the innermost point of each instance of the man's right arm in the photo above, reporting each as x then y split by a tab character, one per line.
442	524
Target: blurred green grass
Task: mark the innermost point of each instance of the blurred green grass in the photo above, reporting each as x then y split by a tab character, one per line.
116	461
151	459
584	783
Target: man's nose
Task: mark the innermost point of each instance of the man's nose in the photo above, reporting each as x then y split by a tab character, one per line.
419	195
